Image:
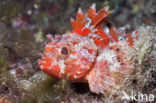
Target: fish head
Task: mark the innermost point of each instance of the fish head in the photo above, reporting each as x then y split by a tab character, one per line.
71	57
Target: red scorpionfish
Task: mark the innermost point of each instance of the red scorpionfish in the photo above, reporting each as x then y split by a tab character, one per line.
95	52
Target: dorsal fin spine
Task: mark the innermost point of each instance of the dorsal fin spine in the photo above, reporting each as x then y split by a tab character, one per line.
96	23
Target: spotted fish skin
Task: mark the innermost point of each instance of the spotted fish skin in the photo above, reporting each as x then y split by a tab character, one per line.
73	65
94	52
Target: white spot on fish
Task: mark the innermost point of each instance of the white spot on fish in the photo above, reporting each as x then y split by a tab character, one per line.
41	67
61	64
85	53
78	72
75	76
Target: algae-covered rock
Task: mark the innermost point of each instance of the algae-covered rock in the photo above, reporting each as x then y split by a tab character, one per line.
8	9
4	59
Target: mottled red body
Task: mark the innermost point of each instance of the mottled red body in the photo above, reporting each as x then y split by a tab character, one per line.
95	52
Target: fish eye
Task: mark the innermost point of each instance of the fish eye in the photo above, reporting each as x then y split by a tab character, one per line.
64	51
117	49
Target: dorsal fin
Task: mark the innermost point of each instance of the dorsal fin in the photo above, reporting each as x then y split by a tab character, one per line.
80	19
91	13
114	34
79	23
96	19
73	23
95	23
101	15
